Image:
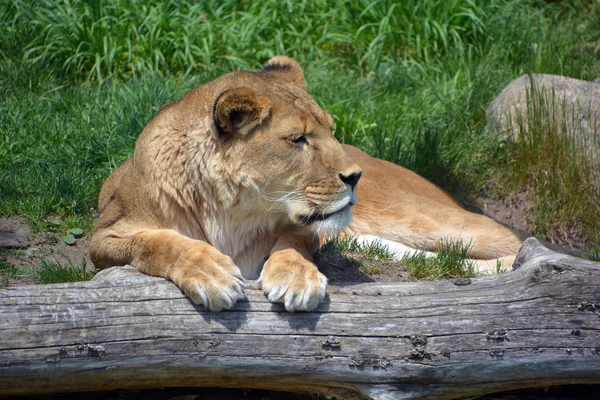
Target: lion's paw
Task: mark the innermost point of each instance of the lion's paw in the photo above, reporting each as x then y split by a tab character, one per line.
214	282
297	283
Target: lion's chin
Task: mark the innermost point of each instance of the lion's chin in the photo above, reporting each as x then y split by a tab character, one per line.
329	223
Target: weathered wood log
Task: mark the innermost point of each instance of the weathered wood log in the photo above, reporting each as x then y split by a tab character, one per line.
535	326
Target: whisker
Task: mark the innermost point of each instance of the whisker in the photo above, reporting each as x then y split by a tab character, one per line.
276	202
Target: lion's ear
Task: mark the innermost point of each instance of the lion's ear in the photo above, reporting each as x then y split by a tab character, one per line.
240	110
285	68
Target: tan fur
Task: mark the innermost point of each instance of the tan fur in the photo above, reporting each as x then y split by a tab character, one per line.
244	170
398	205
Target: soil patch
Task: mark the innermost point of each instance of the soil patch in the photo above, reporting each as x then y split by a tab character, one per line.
35	247
513	211
356	268
516	212
14	233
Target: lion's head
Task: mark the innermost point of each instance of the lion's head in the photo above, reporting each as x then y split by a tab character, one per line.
282	145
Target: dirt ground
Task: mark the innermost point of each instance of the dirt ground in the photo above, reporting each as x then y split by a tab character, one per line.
347	269
32	248
512	212
515	212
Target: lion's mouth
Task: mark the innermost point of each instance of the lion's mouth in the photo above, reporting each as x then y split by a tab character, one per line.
309	219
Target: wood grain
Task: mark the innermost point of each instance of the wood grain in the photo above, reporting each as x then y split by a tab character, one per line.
535	326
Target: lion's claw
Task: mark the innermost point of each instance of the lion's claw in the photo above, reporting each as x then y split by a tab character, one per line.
298	285
214	282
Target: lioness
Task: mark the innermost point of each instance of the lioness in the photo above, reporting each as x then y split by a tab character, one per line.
241	177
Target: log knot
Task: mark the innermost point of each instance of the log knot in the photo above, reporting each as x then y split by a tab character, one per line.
419	353
420	343
587	306
497	353
418	340
332	343
462	281
375	362
546	269
92	350
499	336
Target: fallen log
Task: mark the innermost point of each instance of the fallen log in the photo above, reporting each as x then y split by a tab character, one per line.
538	325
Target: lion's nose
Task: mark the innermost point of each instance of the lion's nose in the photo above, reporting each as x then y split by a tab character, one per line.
351	179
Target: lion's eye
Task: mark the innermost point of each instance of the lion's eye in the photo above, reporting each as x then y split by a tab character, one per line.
298	139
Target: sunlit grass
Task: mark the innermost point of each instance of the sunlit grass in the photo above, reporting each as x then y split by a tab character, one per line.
8	272
51	271
351	245
450	261
96	40
368	257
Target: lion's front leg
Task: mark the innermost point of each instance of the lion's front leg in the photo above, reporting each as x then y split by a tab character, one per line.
290	277
206	275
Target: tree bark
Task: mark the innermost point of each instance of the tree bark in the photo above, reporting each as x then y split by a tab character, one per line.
535	326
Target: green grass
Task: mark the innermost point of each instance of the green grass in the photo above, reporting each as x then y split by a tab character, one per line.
351	245
8	272
97	40
58	146
50	271
54	272
594	253
406	81
450	261
369	258
556	162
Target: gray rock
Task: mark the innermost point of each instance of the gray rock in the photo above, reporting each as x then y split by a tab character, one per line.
14	238
574	102
31	252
